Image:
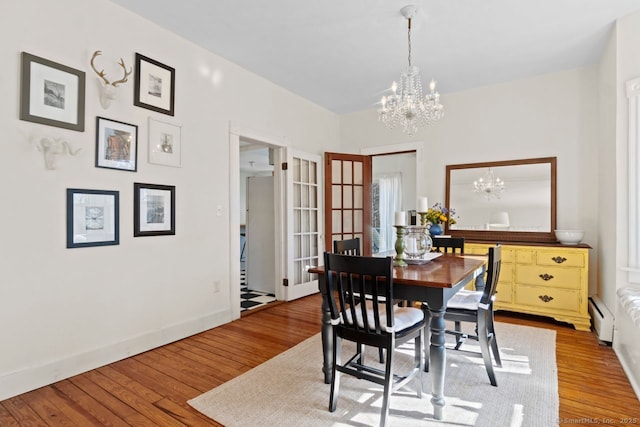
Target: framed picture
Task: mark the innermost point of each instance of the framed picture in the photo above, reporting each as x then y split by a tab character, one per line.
154	210
164	143
116	145
154	85
51	93
92	218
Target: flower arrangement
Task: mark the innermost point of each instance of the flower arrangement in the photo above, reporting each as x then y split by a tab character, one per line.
438	214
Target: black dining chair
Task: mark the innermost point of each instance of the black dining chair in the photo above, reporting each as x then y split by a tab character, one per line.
477	307
376	323
352	247
347	246
448	244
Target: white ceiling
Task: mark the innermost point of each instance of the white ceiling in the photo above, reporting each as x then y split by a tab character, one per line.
344	54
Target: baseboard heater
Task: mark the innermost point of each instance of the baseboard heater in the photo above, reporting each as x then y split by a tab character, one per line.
601	318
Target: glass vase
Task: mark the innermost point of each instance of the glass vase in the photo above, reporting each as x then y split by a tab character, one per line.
417	242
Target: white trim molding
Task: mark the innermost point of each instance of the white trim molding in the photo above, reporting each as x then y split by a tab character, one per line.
633	265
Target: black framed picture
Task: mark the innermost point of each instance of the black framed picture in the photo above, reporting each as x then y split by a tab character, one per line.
154	85
116	145
51	93
154	210
92	218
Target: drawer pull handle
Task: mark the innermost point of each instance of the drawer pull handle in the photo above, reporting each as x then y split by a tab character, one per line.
559	259
545	298
546	277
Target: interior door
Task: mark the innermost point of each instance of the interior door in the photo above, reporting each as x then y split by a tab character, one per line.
260	234
348	199
303	223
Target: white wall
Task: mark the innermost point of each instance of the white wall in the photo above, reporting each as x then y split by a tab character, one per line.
64	311
610	159
553	115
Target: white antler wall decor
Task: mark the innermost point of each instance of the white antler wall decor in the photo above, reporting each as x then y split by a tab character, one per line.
107	88
52	148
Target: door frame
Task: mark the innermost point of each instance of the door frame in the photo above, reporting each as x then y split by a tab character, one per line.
416	146
236	133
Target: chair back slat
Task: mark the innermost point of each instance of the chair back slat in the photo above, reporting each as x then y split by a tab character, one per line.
347	247
493	274
364	289
448	244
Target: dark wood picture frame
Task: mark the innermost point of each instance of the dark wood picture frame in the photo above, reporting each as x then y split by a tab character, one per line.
116	145
154	85
51	94
92	218
154	210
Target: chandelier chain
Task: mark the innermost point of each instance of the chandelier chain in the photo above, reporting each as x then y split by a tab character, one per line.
409	38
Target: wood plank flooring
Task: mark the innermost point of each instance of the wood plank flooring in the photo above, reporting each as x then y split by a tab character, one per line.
151	389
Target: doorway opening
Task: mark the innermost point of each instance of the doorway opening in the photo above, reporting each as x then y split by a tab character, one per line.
393	186
257	219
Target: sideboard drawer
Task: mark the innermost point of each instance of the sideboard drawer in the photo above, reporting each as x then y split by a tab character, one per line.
548	298
561	259
525	256
549	276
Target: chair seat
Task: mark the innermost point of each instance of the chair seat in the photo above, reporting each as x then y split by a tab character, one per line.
404	317
465	300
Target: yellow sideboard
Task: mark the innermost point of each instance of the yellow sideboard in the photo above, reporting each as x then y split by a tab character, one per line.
543	280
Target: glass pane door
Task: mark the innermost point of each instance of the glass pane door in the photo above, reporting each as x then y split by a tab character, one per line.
303	182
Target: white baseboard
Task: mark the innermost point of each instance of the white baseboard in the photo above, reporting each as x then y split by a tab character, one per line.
18	382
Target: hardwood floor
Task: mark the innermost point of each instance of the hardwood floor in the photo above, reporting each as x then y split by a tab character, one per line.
151	389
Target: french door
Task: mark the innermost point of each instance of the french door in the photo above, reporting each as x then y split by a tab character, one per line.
303	223
347	199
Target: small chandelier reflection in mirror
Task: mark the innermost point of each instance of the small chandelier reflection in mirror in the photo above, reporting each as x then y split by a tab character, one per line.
489	185
406	105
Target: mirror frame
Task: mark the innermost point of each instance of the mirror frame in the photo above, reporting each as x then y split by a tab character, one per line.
507	236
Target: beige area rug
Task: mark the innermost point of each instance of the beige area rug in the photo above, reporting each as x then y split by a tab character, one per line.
289	390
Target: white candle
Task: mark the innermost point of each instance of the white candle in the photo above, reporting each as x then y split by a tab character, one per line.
423	204
400	219
413	246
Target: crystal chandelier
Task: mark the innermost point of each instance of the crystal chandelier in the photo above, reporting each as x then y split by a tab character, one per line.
406	106
489	185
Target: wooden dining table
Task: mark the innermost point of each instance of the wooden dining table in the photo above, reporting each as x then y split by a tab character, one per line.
434	283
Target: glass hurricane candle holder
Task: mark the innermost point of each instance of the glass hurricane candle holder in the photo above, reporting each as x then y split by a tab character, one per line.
417	242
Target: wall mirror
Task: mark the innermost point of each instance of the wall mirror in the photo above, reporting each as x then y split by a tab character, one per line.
512	200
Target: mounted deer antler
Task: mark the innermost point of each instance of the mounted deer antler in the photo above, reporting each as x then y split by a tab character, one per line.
107	90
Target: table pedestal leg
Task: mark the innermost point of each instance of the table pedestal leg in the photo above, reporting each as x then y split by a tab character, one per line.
437	361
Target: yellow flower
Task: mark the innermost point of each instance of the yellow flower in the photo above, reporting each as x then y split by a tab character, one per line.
443	218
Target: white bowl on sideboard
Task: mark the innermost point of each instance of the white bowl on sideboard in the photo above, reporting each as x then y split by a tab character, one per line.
569	237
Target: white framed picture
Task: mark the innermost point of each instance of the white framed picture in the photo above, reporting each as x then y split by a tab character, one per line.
165	143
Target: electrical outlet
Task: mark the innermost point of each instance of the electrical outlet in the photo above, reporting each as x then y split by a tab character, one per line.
216	286
219	210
